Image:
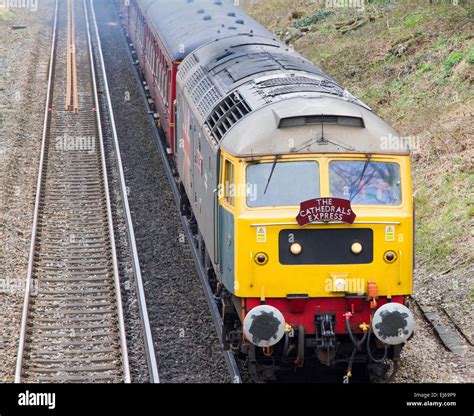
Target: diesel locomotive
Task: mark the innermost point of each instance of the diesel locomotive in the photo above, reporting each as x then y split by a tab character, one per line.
301	203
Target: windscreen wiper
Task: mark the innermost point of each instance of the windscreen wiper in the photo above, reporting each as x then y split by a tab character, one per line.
271	173
357	189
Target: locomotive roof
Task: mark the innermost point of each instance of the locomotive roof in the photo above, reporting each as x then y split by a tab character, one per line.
253	94
184	25
283	128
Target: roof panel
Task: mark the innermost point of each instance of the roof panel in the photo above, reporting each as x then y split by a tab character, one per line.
184	25
261	132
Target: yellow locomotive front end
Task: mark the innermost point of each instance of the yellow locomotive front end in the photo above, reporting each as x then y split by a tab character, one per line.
377	247
319	283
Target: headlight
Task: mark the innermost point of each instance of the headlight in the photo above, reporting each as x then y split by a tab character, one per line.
356	248
296	248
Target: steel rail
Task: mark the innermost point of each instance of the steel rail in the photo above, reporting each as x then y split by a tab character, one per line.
68	59
118	295
75	82
34	228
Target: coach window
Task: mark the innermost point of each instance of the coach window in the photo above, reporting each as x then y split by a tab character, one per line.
141	30
160	74
165	83
166	86
158	68
152	56
158	64
149	48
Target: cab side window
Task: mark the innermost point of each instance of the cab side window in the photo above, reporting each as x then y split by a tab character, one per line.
228	182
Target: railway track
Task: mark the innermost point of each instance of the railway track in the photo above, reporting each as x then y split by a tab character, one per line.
72	327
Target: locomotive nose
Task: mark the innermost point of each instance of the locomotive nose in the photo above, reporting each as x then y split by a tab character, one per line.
393	323
264	326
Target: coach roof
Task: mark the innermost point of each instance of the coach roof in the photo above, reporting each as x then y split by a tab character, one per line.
184	25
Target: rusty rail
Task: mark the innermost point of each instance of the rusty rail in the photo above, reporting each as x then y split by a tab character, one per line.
72	95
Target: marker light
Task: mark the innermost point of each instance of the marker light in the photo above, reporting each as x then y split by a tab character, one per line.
356	248
296	248
390	256
261	259
297	303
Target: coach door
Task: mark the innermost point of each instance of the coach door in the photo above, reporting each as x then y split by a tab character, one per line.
226	224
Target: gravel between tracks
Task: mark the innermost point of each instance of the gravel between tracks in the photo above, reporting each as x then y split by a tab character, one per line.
133	325
139	371
185	340
24	57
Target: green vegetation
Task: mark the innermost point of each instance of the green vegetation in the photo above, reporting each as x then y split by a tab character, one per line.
415	20
452	61
412	62
444	211
470	56
424	67
310	20
5	13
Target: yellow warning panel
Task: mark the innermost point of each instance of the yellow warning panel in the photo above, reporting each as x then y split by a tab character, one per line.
390	233
261	234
